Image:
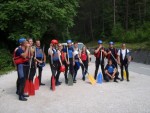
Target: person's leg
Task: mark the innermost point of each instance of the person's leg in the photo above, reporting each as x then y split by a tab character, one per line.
66	72
20	70
40	75
58	73
75	73
127	72
122	72
17	84
97	63
71	68
103	71
86	69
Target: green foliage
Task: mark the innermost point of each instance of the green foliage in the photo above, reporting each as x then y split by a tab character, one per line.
34	17
5	59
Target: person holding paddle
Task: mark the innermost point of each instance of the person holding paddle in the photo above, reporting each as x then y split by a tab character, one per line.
33	67
100	54
85	61
77	61
69	58
40	58
112	54
124	59
21	59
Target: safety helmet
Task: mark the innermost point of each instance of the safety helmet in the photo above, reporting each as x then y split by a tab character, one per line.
100	42
21	40
54	41
62	68
111	43
69	41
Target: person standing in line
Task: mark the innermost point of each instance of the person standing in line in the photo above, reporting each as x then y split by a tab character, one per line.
41	59
77	52
33	64
100	54
69	58
124	59
21	59
85	61
112	54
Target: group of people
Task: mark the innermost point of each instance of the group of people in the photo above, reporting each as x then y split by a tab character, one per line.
29	56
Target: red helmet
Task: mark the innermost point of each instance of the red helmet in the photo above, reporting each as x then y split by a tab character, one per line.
62	68
54	41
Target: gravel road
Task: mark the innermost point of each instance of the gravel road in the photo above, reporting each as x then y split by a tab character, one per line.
82	97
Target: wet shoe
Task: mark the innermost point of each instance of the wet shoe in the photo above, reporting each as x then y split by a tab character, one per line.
21	98
83	78
58	83
116	81
122	79
17	92
42	84
24	95
128	80
66	81
74	81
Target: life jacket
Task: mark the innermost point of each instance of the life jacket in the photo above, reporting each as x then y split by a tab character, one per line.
84	56
109	55
39	53
125	58
98	54
19	59
55	55
62	56
70	52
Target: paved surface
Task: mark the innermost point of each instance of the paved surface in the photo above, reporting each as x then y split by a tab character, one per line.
122	97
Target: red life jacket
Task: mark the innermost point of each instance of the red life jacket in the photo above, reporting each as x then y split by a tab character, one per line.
19	59
84	56
62	56
98	54
108	56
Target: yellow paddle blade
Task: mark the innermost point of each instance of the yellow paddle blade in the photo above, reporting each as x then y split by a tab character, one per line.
124	74
91	79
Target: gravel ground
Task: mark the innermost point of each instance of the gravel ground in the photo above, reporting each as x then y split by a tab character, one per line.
82	97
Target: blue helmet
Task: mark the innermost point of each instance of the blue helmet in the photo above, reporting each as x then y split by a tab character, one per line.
69	41
21	40
100	42
111	43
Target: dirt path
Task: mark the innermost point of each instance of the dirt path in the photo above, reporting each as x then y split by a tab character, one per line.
122	97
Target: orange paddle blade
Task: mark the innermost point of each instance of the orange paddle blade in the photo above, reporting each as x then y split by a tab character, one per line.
53	83
26	88
36	83
31	90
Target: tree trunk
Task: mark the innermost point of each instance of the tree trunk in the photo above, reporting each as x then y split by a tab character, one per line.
114	12
127	14
91	26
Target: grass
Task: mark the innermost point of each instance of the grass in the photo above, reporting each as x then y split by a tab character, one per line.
132	46
6	70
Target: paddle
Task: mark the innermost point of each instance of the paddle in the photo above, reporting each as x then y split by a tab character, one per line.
99	77
70	77
27	84
36	81
31	85
90	77
52	82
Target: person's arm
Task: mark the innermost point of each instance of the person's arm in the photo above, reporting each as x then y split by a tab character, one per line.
118	57
104	51
25	54
114	73
96	50
106	71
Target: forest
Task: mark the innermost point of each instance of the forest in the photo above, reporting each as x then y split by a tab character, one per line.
80	20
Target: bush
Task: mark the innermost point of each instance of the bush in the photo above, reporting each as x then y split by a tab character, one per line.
5	59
